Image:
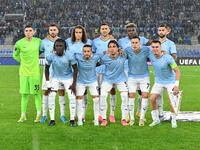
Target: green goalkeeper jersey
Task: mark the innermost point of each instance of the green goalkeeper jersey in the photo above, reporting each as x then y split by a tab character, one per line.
27	53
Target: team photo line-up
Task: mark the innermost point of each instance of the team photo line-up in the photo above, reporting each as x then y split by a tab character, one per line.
101	65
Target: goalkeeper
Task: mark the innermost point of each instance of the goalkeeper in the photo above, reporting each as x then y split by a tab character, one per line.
26	52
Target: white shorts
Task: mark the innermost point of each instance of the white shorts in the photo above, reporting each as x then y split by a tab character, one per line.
56	83
106	87
93	87
159	88
142	84
100	78
44	85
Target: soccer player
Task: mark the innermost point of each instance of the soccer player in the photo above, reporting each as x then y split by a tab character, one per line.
100	45
46	46
87	80
114	77
167	77
62	63
126	42
26	52
138	76
168	47
75	45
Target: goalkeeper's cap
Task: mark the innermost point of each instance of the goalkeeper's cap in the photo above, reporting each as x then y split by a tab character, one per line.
131	25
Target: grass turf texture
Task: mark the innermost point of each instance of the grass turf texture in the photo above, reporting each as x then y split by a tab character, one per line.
30	135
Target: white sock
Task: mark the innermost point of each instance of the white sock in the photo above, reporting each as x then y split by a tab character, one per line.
85	104
160	104
173	115
96	108
144	108
131	104
62	102
124	108
79	109
44	105
72	106
52	96
154	114
104	105
139	103
112	104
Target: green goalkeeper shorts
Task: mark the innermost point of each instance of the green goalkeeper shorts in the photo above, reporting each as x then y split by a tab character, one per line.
29	85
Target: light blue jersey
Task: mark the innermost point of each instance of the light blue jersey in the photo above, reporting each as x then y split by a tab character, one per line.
98	47
137	63
87	68
46	46
126	42
61	66
114	69
76	47
163	72
169	46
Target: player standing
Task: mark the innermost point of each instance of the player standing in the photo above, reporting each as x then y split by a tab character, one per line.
26	52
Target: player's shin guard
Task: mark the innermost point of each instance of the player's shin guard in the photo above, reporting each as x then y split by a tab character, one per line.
62	102
144	108
72	106
131	104
52	97
24	103
160	104
85	104
104	105
38	104
79	109
139	104
112	104
124	108
44	105
96	108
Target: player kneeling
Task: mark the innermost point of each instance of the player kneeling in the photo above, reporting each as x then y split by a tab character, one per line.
114	77
87	80
61	62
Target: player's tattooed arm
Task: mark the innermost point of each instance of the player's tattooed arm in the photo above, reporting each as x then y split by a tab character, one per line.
73	86
47	72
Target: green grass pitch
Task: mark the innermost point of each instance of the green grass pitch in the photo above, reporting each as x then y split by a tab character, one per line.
36	136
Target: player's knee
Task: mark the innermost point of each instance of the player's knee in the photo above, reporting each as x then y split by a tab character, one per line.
79	97
61	92
131	95
95	96
45	92
144	95
112	91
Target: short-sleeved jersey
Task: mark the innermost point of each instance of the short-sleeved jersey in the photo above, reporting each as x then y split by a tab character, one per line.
163	72
126	42
114	69
76	47
61	66
86	68
98	47
169	46
137	63
27	53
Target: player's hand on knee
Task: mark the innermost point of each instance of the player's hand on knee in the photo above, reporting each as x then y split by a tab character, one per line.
73	88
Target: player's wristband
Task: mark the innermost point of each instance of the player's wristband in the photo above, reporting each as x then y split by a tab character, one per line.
177	83
48	84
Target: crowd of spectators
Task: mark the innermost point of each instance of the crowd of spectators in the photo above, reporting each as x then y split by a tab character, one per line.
181	15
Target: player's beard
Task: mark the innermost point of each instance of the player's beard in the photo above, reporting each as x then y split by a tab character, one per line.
162	36
87	57
53	36
59	53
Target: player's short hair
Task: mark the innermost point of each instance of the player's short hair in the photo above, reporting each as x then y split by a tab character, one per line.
130	25
87	45
84	35
60	40
163	25
156	41
53	25
29	26
113	41
136	37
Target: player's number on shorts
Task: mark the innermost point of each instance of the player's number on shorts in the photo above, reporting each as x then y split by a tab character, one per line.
37	87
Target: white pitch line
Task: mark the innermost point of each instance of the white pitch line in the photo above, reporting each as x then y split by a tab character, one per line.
35	143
